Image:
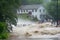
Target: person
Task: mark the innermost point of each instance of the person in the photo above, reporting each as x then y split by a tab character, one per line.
30	13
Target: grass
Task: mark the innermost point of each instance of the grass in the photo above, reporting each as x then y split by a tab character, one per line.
27	17
24	16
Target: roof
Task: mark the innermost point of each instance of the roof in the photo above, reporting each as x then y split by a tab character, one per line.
24	7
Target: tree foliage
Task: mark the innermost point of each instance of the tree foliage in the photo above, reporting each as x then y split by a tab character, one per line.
53	9
8	10
8	14
24	2
3	30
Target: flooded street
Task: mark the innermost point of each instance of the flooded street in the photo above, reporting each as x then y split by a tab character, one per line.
29	30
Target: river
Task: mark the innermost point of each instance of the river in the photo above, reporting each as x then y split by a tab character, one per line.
17	32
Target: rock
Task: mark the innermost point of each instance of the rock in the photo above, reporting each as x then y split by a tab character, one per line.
36	31
28	34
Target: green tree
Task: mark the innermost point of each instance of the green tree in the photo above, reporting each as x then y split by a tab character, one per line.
8	10
8	13
53	9
35	1
3	30
24	2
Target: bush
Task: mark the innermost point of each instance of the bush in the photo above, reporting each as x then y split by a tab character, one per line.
4	35
35	19
3	30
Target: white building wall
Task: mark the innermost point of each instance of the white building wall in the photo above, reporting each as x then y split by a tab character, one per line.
34	13
23	11
40	12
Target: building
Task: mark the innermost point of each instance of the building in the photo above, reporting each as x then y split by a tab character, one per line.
36	10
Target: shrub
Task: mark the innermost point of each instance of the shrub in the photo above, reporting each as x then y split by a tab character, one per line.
4	35
3	30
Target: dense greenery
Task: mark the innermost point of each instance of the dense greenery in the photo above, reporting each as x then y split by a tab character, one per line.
7	15
24	2
3	30
53	9
24	16
8	10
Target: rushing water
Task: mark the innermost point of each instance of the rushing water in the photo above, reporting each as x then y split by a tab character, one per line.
20	22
